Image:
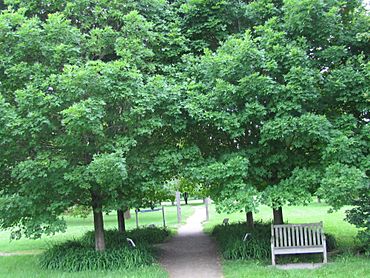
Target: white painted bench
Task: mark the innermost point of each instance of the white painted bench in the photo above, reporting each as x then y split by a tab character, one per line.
298	239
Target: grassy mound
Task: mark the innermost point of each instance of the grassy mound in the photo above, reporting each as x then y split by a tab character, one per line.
80	255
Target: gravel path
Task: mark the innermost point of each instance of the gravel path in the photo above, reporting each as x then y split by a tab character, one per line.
191	253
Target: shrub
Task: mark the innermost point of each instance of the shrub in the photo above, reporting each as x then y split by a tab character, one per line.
76	256
331	242
359	216
80	255
231	244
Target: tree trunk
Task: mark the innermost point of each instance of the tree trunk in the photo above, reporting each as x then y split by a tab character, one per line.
98	225
121	221
249	218
278	216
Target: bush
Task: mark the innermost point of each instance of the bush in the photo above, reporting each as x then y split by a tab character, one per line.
359	216
114	238
331	242
231	244
76	256
80	255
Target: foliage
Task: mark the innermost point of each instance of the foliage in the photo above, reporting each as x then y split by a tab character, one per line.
104	102
359	216
231	244
290	97
73	256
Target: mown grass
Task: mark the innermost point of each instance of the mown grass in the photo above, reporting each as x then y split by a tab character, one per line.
26	265
343	267
345	264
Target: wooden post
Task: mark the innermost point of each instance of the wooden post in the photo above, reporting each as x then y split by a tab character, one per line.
178	204
136	218
164	220
207	212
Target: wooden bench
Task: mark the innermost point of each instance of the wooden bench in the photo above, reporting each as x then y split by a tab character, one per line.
298	239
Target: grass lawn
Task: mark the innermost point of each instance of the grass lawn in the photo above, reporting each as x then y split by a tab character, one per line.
26	265
343	265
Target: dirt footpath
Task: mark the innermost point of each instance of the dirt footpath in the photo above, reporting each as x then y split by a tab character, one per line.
191	253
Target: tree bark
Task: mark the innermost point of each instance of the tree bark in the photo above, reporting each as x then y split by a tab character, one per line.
278	215
121	221
249	218
98	224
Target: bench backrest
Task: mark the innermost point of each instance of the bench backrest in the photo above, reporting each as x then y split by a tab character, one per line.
297	235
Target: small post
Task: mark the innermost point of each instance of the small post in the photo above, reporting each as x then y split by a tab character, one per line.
178	207
136	218
164	220
207	211
272	245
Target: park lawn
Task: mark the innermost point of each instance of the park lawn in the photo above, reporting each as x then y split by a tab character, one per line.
343	265
26	265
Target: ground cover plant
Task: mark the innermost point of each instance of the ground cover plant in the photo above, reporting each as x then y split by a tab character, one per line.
79	254
76	255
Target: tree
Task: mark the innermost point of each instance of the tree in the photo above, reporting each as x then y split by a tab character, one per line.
266	95
79	107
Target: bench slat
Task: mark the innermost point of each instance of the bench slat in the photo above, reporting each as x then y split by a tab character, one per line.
281	236
293	236
285	236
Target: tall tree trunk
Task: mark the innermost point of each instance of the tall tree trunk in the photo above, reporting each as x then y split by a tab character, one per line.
249	218
278	215
121	221
98	224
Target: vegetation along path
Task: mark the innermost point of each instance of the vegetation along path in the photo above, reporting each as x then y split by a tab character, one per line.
191	253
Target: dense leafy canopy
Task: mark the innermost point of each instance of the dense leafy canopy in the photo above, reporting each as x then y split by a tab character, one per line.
115	104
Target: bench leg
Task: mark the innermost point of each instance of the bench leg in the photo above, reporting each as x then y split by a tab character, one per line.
325	251
325	257
273	258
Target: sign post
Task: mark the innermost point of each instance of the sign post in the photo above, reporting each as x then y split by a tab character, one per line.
164	220
207	211
178	204
137	218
